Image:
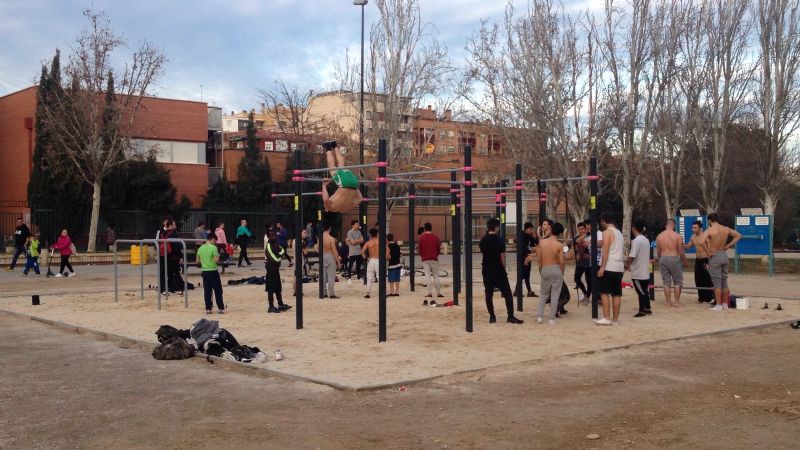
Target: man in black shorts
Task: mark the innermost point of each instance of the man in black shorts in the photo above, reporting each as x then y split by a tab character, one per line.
609	274
493	269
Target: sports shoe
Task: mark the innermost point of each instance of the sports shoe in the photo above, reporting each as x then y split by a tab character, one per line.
273	310
532	294
284	307
724	306
219	311
8	269
208	311
614	323
328	145
581	297
514	320
717	308
58	275
779	308
439	296
552	322
429	296
603	321
366	296
539	320
492	319
640	314
72	274
333	297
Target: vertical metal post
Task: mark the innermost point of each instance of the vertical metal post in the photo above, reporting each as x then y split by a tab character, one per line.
468	233
319	247
141	270
116	276
185	277
503	204
541	187
497	209
458	249
411	237
771	241
520	233
382	242
362	208
593	186
158	272
651	290
298	249
455	237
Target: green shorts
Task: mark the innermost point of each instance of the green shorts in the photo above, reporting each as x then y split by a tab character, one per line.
346	179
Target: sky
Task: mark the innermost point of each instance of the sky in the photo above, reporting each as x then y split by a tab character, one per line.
231	48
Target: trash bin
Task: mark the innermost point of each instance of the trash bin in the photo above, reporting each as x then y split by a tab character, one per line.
137	256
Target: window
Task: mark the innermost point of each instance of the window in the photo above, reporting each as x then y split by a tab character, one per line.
482	151
239	144
451	133
281	145
442	133
269	146
293	146
451	149
368	115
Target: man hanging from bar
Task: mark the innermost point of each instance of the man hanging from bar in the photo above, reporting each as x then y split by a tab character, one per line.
344	194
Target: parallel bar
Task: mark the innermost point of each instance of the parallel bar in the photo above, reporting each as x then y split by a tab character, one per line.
327	169
402	180
411	238
468	236
520	236
305	194
381	244
589	178
298	245
593	186
423	172
474	189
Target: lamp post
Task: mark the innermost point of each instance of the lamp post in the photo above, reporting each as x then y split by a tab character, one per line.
362	208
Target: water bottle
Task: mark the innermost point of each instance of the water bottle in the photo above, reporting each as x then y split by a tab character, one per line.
278	355
261	357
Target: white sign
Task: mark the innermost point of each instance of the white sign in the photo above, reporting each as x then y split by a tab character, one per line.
763	220
743	221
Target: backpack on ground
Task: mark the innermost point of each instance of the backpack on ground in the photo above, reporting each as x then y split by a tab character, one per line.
167	332
203	330
226	339
175	348
244	353
564	297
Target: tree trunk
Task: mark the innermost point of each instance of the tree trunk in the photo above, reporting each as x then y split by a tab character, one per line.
627	211
770	203
96	188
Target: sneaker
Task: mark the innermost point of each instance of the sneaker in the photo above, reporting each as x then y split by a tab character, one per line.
724	306
219	311
284	307
333	297
640	314
581	297
273	310
603	321
552	322
514	320
532	294
439	296
58	275
648	312
429	296
492	319
208	311
539	320
72	274
424	303
8	269
614	323
717	308
366	296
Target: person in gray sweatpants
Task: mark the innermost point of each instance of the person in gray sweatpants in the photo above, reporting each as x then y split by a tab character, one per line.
551	269
330	261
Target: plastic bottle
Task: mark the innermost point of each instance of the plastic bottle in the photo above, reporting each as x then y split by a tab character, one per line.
278	355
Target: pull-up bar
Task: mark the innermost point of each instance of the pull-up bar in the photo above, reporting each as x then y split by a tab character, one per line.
304	194
328	169
421	172
546	180
452	183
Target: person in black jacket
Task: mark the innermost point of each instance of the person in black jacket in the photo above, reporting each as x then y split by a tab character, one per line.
493	269
21	234
274	253
393	269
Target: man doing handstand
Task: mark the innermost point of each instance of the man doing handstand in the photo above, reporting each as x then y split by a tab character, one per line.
345	195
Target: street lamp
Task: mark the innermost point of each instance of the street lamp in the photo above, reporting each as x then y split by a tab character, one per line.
362	208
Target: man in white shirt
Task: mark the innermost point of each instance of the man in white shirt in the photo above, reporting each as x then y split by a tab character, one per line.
639	264
612	267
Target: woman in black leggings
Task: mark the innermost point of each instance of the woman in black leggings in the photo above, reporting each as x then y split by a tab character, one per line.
64	246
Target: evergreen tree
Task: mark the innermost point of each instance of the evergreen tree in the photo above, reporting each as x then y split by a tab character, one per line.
255	176
220	196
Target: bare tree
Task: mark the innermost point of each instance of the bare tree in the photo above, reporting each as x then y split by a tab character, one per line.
91	128
778	98
728	74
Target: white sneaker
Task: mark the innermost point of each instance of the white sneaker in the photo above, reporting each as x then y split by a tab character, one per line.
540	320
724	306
581	297
717	308
603	321
72	274
58	275
614	323
552	322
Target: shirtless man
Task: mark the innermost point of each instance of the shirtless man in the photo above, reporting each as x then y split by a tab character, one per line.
702	279
551	269
715	239
545	229
346	195
373	263
671	254
330	261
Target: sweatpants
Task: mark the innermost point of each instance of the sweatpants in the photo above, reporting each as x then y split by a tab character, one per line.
552	281
642	291
243	241
373	267
31	262
702	279
65	264
354	260
526	278
212	283
329	273
18	250
580	274
273	286
497	280
432	267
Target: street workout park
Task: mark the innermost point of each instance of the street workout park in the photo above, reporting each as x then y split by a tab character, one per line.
333	342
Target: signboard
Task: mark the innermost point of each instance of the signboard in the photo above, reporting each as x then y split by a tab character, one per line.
684	227
756	235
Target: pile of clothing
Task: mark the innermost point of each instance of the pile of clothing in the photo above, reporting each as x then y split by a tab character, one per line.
205	337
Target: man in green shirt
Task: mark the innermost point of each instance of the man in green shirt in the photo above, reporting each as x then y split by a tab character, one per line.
243	236
208	255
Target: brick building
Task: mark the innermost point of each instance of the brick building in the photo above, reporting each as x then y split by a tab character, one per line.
178	129
275	146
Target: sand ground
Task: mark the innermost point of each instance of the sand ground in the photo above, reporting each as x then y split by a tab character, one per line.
339	345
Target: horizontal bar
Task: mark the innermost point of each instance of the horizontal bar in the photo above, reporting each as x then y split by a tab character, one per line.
292	195
328	169
456	183
421	172
586	178
507	188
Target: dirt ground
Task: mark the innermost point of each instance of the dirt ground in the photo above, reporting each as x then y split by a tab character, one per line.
64	390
